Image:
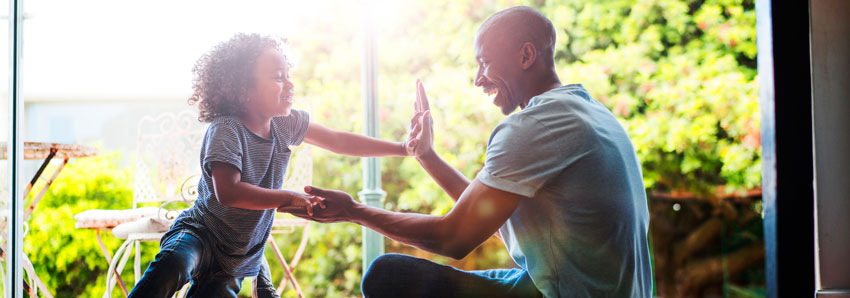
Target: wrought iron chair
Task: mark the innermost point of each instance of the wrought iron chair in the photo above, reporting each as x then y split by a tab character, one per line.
166	172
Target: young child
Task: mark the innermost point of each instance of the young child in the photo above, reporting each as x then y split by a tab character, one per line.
243	90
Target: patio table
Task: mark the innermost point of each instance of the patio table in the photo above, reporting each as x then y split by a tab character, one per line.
46	152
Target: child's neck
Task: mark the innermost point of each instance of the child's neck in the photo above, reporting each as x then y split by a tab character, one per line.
260	126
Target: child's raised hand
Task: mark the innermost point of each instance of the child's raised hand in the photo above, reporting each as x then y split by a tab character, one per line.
301	202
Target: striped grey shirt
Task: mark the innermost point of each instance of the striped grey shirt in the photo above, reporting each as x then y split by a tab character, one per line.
239	234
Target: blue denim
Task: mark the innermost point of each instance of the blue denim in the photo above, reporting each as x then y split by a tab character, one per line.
185	256
395	275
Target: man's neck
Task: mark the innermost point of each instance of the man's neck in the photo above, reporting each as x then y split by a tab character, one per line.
549	84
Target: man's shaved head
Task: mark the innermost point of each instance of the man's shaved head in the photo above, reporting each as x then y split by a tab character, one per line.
517	25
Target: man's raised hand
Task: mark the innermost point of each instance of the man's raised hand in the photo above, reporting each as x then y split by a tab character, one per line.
421	125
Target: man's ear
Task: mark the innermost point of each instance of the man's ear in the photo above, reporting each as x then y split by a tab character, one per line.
528	54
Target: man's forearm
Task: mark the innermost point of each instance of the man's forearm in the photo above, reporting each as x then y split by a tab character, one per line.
450	179
426	232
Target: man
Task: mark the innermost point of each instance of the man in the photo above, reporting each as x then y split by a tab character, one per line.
561	184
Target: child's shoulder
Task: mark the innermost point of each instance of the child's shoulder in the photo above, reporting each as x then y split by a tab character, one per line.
226	123
294	117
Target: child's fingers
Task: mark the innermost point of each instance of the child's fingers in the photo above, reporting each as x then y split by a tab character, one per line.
415	118
309	209
414	131
291	209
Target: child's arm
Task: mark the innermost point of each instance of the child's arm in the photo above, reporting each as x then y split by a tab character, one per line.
352	144
232	192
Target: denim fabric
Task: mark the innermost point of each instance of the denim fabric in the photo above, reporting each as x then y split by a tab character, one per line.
395	275
185	256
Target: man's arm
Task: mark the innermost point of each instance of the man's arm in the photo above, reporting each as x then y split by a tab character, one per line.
232	192
479	212
452	181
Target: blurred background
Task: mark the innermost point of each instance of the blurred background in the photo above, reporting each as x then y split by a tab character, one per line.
680	75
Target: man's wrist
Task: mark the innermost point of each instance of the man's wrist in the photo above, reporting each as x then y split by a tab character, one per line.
354	214
426	156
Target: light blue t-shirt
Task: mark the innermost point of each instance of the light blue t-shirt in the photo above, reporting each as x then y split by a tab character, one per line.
581	228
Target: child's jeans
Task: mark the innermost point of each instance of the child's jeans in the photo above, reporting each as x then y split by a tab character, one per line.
395	275
185	257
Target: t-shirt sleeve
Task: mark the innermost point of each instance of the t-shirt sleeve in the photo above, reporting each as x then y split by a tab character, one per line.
522	155
222	145
295	126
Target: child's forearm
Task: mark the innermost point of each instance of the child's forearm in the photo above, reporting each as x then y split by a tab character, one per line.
251	197
352	144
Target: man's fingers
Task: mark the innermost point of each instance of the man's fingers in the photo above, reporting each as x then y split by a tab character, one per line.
315	191
418	102
427	121
423	98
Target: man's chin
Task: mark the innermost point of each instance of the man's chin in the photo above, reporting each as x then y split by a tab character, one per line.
507	109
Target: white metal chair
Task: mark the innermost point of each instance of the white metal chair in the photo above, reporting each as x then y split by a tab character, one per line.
166	171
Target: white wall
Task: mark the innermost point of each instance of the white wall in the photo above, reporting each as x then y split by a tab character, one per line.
830	46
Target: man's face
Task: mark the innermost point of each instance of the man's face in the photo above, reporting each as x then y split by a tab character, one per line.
495	74
272	92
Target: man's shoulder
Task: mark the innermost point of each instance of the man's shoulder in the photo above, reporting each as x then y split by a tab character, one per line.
558	100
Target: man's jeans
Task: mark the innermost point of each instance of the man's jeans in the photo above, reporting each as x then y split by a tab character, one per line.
395	275
185	257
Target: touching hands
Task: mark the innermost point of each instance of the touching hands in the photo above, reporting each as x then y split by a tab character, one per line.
302	203
420	140
336	206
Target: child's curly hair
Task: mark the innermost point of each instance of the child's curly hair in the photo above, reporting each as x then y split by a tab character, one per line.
224	75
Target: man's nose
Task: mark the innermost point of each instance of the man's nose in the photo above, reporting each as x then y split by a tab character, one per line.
479	80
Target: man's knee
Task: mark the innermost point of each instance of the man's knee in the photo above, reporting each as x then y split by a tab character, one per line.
384	264
382	272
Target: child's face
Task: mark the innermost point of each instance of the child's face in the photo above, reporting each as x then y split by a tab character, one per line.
272	92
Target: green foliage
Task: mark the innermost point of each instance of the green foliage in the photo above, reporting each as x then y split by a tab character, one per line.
681	77
69	260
